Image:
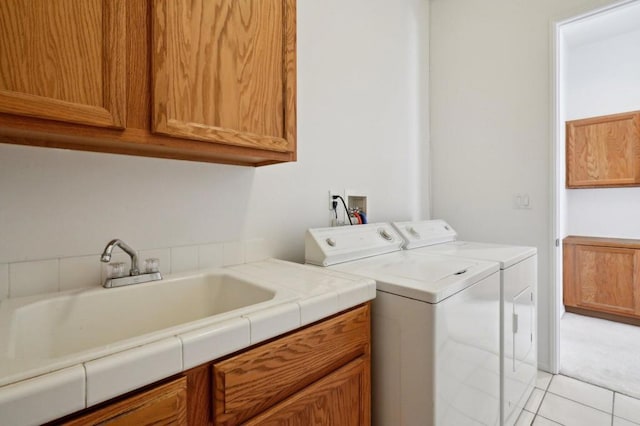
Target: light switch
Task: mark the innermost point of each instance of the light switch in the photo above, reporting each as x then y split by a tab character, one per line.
521	201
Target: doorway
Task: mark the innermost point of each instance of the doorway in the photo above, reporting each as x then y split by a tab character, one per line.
588	81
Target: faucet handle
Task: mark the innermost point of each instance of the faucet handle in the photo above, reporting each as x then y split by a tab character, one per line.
151	265
116	270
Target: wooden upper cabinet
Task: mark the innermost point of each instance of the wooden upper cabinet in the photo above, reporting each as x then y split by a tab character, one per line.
604	151
64	60
225	71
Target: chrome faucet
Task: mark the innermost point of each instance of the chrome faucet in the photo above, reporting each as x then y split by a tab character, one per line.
135	277
106	254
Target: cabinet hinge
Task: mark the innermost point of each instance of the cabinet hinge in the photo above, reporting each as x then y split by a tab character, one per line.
557	242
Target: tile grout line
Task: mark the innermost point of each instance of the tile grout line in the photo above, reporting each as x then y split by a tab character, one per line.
581	403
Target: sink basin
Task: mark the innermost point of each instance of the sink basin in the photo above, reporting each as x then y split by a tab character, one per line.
79	321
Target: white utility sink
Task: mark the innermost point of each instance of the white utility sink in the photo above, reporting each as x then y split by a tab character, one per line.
78	321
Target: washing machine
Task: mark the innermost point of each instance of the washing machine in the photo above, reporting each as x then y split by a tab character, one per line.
518	286
435	327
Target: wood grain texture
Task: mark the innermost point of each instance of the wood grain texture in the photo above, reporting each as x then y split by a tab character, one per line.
200	395
130	141
601	276
64	60
605	278
330	401
223	70
602	241
162	405
568	274
32	119
603	151
251	382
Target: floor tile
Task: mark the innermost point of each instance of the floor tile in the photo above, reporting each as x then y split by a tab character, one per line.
543	380
626	407
534	401
541	421
525	419
571	413
618	421
585	393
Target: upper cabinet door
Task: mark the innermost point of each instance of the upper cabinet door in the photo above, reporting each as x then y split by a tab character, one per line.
604	151
225	71
64	60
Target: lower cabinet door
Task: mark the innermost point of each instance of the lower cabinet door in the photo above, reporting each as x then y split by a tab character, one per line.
163	405
339	399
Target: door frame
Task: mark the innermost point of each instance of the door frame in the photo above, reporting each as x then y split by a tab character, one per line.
558	189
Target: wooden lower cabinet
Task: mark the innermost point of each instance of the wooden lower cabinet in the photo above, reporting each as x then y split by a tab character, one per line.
320	374
334	400
165	404
602	277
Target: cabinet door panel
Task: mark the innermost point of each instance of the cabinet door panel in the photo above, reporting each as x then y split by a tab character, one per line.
224	71
606	278
64	60
337	399
163	405
252	381
603	151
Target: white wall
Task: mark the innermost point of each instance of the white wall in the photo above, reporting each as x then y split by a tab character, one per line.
490	101
362	124
603	77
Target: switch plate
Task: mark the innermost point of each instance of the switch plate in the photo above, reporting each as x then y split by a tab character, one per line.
522	201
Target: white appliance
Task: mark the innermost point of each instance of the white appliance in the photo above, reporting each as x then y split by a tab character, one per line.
435	327
518	286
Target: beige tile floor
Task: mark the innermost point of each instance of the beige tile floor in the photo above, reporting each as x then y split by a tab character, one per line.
561	400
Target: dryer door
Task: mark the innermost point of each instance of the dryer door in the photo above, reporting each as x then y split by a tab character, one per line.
523	316
519	328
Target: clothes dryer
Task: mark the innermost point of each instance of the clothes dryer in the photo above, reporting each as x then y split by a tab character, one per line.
518	287
435	327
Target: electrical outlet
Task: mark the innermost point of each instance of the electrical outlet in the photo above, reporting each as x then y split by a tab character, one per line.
337	214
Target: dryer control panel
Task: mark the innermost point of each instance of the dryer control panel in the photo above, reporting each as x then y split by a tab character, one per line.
425	233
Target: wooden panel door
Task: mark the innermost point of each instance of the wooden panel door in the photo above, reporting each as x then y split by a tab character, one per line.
225	71
339	399
253	381
606	279
163	405
604	151
64	60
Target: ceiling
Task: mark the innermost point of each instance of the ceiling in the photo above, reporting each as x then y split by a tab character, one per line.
603	25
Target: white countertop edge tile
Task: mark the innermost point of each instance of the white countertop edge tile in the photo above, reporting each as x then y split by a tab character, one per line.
316	308
274	321
356	294
207	344
44	398
125	371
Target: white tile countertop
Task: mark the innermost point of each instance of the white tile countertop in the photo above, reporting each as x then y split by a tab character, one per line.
38	385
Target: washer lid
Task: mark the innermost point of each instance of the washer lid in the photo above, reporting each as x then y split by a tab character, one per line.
429	278
425	233
328	246
506	255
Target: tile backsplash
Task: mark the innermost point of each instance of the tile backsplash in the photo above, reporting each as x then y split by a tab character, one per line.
19	279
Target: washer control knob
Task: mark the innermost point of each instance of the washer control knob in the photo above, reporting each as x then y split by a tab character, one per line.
331	242
384	234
